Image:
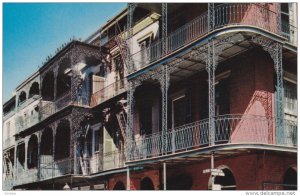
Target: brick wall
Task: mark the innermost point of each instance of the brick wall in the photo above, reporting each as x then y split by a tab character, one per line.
249	170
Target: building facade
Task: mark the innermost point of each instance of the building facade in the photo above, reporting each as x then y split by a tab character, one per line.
162	99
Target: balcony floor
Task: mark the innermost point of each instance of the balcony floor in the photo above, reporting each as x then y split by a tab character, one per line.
222	150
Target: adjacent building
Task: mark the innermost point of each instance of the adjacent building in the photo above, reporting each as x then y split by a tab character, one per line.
164	96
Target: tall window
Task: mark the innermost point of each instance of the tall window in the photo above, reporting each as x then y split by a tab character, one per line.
181	108
145	54
222	97
120	70
285	18
97	139
146	118
290	99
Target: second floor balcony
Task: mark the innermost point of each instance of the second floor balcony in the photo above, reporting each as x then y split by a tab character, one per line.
108	92
228	130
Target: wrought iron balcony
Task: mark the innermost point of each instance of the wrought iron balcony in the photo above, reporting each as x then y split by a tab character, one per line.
229	129
107	161
48	108
108	92
50	169
225	15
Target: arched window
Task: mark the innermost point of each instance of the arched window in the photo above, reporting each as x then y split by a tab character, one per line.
22	97
119	186
48	86
147	184
63	84
62	140
290	179
32	154
47	142
227	181
21	155
34	89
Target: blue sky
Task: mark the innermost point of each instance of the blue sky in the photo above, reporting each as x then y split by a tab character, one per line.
32	31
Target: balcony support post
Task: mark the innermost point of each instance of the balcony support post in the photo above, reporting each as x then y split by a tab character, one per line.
15	162
39	155
212	166
26	153
165	175
210	68
130	7
279	92
55	71
164	18
54	127
130	131
211	17
164	81
127	179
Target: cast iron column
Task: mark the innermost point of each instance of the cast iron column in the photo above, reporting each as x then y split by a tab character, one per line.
164	86
164	17
130	131
210	68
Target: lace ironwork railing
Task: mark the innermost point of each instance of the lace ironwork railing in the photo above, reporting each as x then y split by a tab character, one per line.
108	92
50	107
229	129
108	161
52	169
228	14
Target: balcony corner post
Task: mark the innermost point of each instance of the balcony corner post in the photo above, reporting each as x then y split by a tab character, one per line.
15	163
26	153
130	7
164	81
164	16
39	136
211	17
55	71
128	179
130	131
279	95
210	68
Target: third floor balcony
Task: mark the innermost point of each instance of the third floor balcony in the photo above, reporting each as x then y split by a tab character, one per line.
249	15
